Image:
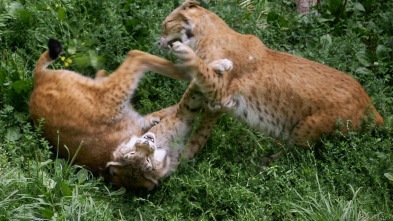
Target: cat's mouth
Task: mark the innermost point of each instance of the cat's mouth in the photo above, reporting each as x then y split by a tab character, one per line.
170	43
149	137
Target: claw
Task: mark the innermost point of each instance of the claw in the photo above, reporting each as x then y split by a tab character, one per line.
154	121
222	65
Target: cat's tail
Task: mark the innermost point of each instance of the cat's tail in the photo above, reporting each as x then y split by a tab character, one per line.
48	57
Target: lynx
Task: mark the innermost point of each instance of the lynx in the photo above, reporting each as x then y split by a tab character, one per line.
127	149
156	154
282	95
97	111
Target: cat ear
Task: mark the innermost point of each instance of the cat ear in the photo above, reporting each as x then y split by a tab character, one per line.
113	163
151	183
190	4
112	168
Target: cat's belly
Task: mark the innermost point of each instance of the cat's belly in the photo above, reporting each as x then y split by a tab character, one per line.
261	118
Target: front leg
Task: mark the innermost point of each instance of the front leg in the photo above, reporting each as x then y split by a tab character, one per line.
208	77
154	118
221	65
202	133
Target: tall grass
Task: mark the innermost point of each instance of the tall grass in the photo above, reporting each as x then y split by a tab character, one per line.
324	206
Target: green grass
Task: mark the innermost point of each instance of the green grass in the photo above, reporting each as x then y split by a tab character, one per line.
350	178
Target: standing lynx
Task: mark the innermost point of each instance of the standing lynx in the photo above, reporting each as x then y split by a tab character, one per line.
281	95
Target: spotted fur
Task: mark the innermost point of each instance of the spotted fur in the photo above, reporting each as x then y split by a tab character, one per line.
155	154
97	111
282	95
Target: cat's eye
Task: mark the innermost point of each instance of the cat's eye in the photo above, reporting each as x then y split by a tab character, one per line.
128	155
148	160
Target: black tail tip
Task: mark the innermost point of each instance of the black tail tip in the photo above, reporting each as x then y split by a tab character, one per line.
55	48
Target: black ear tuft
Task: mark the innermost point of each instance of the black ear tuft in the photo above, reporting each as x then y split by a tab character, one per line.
112	170
203	4
55	48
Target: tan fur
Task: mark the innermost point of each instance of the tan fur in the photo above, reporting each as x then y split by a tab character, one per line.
155	154
97	111
282	95
155	159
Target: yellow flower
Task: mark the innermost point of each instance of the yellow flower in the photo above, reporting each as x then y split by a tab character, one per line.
63	58
69	60
57	5
66	64
73	52
48	7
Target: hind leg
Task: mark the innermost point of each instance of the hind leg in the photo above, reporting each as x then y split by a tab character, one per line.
117	89
313	127
327	121
306	132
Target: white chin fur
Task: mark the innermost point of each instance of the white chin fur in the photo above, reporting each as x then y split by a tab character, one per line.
130	145
160	155
125	147
189	41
